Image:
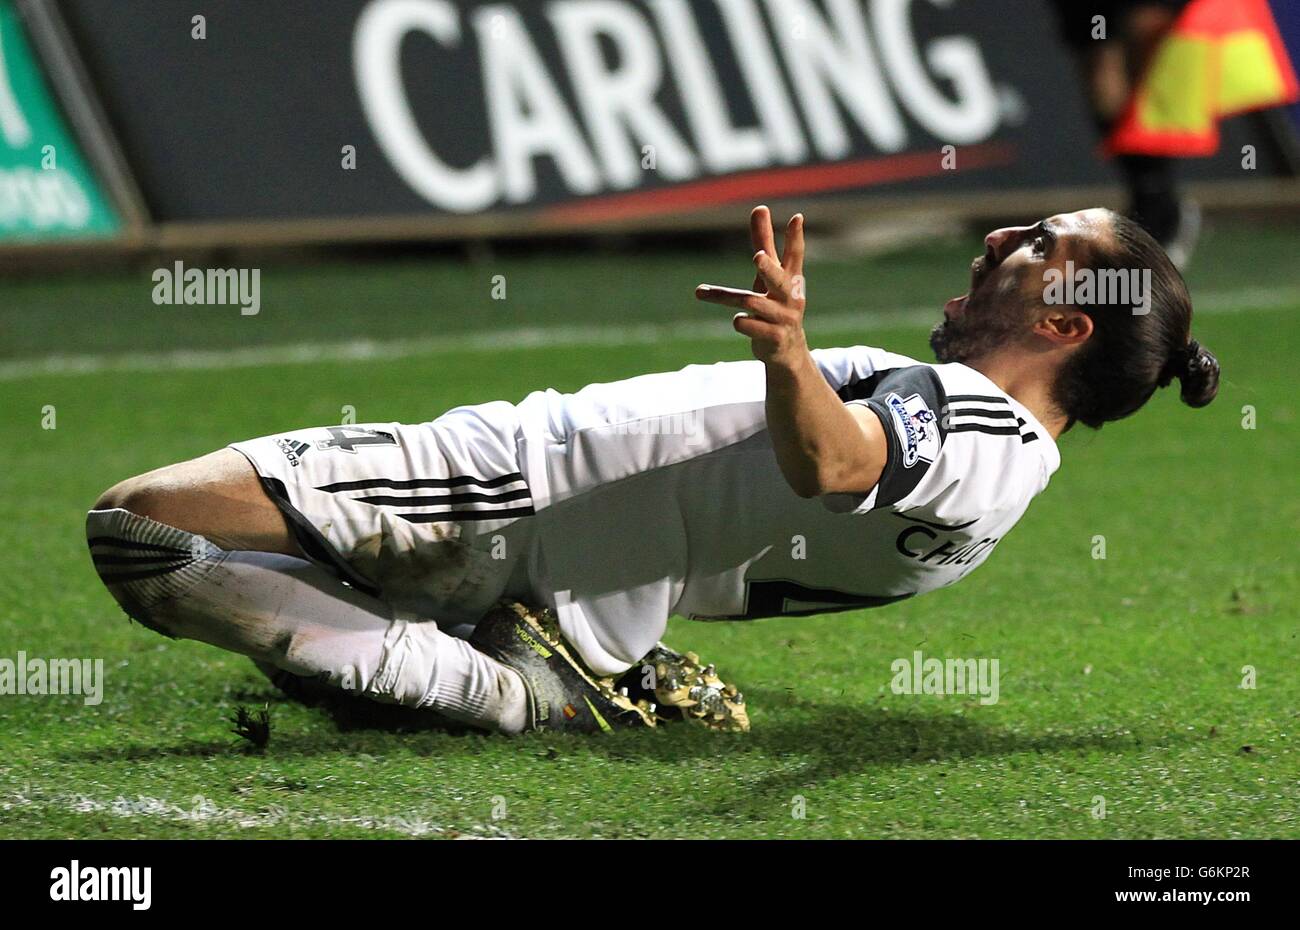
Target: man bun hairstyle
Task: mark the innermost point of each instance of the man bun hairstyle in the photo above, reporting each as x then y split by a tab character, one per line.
1197	370
1135	349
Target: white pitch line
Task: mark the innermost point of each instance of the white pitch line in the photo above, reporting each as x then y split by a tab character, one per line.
368	349
203	810
362	350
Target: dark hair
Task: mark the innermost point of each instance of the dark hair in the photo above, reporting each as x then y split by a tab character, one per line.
1132	353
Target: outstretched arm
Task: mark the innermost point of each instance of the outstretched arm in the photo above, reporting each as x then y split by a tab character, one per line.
822	446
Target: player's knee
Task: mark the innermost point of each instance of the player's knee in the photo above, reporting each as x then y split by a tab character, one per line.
125	495
153	495
143	559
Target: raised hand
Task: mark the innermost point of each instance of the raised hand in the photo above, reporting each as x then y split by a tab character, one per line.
772	313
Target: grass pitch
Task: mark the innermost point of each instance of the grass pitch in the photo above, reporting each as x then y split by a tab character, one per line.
1121	678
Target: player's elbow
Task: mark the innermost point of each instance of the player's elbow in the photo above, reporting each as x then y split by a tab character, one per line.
815	483
847	478
806	488
815	475
804	476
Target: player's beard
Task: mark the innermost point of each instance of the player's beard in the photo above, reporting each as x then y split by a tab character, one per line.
992	318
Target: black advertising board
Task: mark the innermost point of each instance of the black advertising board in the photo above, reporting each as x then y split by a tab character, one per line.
574	112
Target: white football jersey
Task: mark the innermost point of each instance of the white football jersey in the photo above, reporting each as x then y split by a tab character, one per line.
661	495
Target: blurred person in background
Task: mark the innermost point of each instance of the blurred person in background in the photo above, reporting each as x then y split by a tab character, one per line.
1112	54
1159	76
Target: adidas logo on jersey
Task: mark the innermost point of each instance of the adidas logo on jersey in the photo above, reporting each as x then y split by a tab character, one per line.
293	451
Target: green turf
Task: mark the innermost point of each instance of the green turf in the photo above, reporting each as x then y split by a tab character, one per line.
1120	678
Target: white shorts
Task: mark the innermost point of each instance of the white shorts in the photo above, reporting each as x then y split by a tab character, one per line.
434	517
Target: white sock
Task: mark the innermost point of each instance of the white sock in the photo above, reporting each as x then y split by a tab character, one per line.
297	616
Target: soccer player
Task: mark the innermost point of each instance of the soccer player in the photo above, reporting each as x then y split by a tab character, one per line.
368	557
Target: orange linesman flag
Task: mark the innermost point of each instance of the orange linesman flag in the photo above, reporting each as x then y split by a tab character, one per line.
1220	58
